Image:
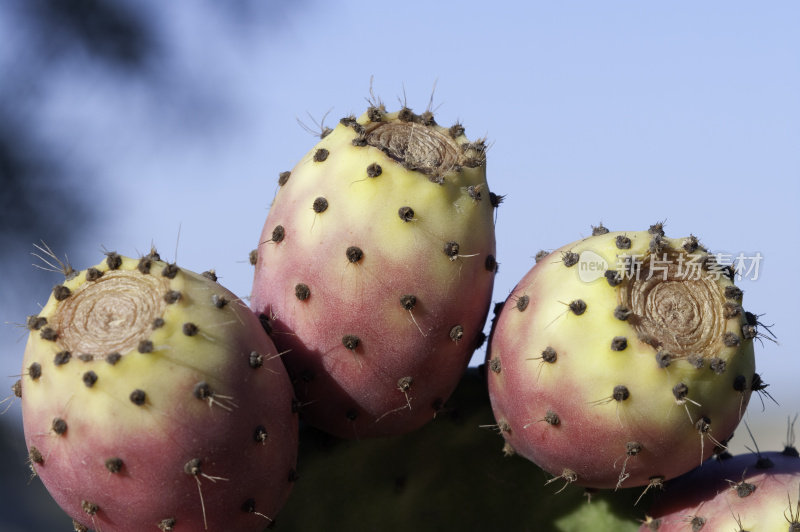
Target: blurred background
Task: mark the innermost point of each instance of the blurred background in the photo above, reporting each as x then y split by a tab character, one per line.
131	123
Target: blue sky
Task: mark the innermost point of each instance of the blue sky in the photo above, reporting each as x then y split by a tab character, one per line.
624	113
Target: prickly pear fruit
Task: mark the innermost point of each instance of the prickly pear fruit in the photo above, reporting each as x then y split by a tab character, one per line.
445	476
622	359
749	492
153	399
375	270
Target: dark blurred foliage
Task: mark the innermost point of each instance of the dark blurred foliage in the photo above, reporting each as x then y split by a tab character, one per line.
38	201
121	39
25	506
112	32
40	194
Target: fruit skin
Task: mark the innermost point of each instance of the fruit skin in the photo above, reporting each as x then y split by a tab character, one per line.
375	270
561	350
753	492
445	476
111	441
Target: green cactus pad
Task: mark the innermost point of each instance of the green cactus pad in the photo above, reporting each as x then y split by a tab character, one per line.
449	475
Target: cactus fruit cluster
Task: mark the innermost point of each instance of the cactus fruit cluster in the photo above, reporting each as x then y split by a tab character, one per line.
153	399
623	359
375	270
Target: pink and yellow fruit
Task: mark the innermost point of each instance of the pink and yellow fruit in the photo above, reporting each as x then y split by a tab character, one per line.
153	399
375	270
622	359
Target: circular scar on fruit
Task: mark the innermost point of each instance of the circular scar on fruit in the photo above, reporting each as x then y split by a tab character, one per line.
112	314
416	146
673	311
